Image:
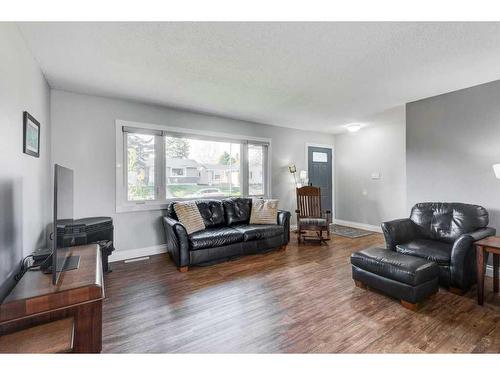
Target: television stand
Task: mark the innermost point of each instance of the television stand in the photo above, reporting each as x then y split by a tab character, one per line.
34	301
70	263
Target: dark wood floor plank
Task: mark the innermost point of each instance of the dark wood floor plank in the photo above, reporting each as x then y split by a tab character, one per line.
298	301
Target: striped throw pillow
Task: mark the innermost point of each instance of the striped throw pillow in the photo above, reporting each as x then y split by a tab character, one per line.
189	216
264	211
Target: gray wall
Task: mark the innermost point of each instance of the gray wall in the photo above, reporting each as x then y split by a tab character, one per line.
378	147
83	138
25	181
452	141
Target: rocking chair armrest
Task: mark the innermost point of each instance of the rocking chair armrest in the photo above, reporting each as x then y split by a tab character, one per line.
297	211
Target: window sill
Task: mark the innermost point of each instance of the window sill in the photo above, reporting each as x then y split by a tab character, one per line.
137	207
155	206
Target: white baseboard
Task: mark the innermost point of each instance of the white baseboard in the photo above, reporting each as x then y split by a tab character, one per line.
352	224
118	255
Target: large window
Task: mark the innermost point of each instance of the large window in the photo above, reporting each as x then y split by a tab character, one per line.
163	165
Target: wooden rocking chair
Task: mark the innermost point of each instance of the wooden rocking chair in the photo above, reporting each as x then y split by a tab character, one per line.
310	217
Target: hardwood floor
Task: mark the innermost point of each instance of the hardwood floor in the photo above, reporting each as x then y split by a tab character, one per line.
299	301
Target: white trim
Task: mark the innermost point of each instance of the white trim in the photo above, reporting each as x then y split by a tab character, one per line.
352	224
307	145
118	255
136	259
489	270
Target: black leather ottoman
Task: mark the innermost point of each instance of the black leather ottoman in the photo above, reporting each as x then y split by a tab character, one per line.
407	278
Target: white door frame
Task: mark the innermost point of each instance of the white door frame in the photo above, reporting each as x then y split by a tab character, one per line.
333	170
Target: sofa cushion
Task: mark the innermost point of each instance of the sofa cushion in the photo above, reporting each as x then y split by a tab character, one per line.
237	210
437	251
394	266
214	237
212	212
264	211
189	216
253	232
448	221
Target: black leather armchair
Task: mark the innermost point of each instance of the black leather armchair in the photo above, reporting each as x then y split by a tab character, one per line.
227	235
443	233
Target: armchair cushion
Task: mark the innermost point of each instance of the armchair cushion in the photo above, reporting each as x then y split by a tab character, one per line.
448	221
439	252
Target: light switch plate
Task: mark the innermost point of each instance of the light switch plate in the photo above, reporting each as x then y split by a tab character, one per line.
376	175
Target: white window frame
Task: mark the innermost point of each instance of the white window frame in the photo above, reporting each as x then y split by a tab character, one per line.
160	202
178	175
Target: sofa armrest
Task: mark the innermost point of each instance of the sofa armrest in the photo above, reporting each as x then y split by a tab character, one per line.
399	231
177	241
284	219
463	256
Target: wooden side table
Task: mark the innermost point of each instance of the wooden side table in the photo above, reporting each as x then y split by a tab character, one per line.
485	247
35	303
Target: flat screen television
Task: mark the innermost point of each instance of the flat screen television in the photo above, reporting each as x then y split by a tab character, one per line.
62	260
11	236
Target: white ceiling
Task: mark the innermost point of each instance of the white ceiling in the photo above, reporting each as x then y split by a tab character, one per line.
316	76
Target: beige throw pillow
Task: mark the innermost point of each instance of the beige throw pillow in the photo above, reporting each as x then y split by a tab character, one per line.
264	211
189	216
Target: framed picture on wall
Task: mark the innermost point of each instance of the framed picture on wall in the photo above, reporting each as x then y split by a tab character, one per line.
31	135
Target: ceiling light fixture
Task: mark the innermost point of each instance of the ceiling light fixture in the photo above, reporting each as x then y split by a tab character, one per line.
353	127
496	169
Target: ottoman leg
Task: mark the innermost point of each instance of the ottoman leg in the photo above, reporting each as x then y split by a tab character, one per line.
409	305
359	284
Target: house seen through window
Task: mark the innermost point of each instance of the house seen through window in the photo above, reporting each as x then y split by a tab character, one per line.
211	168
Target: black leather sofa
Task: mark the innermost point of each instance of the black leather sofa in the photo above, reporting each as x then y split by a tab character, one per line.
228	233
443	233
